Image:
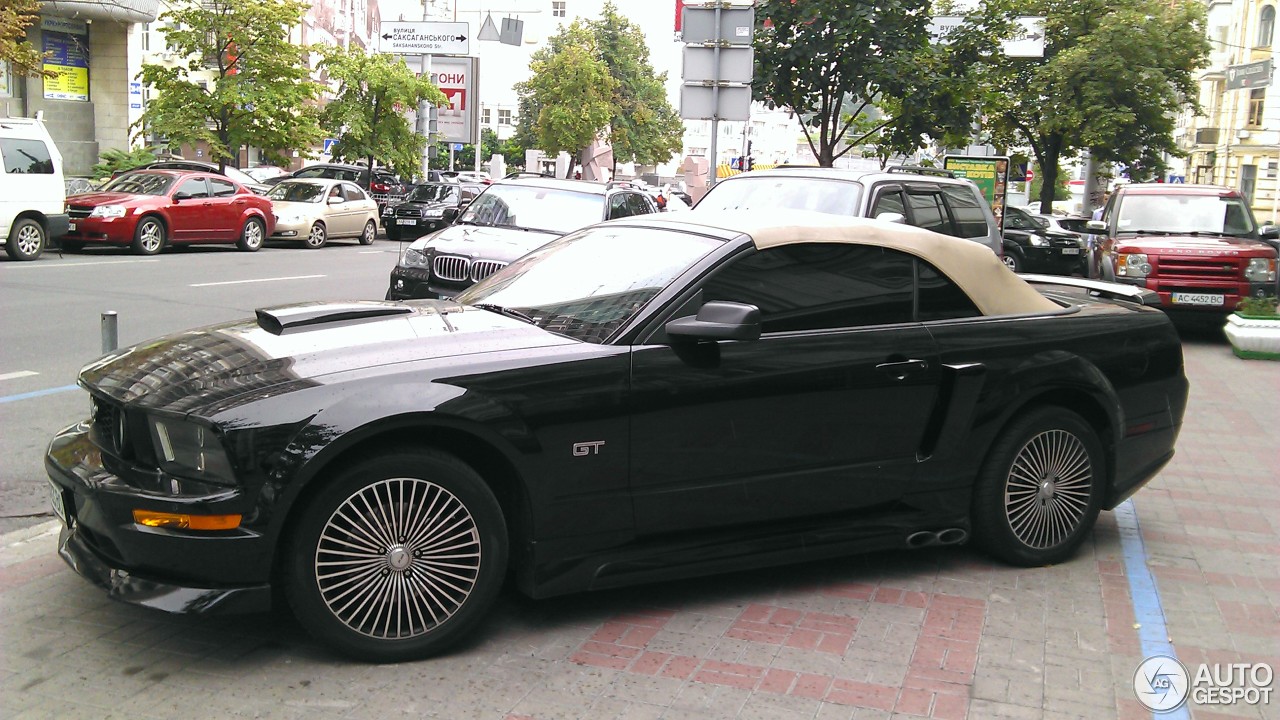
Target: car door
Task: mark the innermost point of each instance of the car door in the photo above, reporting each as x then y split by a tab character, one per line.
363	208
189	216
825	413
226	209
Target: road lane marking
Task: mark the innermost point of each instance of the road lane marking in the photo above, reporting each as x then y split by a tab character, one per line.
1148	611
259	280
37	393
15	266
18	374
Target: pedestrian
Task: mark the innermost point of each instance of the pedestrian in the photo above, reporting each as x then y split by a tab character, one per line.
1102	205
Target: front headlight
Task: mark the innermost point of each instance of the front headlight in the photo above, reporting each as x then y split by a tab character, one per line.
1260	270
190	450
1132	265
1036	240
415	258
108	211
433	213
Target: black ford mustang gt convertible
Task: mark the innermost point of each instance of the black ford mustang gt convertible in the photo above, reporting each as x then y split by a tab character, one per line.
644	399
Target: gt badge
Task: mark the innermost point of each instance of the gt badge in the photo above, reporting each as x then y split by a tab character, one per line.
587	448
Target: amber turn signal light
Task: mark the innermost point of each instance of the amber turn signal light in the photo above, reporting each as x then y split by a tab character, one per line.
183	521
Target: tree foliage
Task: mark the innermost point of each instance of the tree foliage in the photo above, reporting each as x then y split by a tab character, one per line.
490	145
640	123
15	17
571	91
1114	76
858	69
367	113
258	90
114	160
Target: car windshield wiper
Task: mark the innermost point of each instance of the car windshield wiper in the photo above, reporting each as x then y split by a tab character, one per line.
1213	233
509	312
1150	232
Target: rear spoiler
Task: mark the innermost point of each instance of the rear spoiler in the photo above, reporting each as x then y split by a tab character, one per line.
1100	288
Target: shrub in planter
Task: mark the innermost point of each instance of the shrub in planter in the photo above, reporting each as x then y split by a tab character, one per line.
1254	329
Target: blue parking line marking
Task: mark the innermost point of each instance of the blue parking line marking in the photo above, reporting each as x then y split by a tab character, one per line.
1148	612
37	393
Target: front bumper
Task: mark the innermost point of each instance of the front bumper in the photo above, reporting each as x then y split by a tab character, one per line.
1204	296
292	230
118	231
1052	259
171	570
412	283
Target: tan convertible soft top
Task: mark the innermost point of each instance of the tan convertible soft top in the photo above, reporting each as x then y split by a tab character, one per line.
992	287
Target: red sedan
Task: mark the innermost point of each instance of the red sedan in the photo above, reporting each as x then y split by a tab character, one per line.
149	209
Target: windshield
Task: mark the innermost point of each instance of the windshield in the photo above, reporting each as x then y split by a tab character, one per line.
833	197
1211	214
535	208
433	193
295	191
589	284
141	183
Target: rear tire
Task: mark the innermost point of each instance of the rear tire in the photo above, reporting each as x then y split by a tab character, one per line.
362	583
1040	489
27	240
252	235
149	237
370	233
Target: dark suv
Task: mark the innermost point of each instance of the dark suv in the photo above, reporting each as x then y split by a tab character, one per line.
925	197
423	209
510	218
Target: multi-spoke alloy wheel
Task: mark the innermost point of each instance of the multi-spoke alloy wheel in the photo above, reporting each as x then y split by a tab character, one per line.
1040	488
397	556
252	236
148	238
26	240
1048	489
316	237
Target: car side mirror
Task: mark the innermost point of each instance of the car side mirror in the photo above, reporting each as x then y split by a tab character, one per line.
1097	226
718	320
1269	232
892	217
450	214
179	197
336	200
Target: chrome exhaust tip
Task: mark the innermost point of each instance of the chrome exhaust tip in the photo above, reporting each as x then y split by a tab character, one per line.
952	536
921	539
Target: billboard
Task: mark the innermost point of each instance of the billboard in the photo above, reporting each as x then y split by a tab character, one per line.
66	47
989	172
459	79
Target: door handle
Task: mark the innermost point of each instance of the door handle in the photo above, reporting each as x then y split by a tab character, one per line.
900	369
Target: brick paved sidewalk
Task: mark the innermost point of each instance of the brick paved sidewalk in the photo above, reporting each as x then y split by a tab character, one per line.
942	633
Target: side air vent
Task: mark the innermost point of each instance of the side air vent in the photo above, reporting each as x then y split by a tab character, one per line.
293	318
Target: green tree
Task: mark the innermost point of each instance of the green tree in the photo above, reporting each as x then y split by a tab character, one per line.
113	160
258	89
1114	76
572	92
643	128
367	113
15	17
863	69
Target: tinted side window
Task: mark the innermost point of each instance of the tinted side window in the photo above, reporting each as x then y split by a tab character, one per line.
353	192
25	157
638	204
193	187
927	211
939	298
618	206
889	202
966	211
819	286
311	173
222	188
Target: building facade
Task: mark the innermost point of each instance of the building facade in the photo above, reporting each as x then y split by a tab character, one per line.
1235	140
86	104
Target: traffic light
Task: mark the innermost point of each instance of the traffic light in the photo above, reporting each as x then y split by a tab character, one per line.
748	161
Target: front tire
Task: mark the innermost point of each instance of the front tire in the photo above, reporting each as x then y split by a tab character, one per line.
1040	489
370	233
317	236
149	236
26	240
252	235
1013	260
397	558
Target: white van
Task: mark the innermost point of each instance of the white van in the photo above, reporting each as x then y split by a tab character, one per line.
32	193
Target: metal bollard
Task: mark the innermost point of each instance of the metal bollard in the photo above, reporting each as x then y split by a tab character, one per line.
110	332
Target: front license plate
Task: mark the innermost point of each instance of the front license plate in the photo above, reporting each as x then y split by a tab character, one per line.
1197	299
71	227
1070	251
57	501
406	221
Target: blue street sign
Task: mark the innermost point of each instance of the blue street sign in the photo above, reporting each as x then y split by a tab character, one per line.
329	143
1178	179
457	147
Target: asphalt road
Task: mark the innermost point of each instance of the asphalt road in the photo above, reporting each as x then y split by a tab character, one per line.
50	326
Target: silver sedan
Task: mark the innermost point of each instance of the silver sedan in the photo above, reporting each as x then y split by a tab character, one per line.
316	210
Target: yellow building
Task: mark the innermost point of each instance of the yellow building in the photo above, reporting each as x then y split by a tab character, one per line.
1235	140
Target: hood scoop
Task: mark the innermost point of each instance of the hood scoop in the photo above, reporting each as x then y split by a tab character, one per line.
297	318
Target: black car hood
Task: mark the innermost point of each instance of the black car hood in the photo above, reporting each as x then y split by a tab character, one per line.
486	242
221	366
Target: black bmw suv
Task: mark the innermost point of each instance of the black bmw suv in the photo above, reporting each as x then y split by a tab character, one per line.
510	218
